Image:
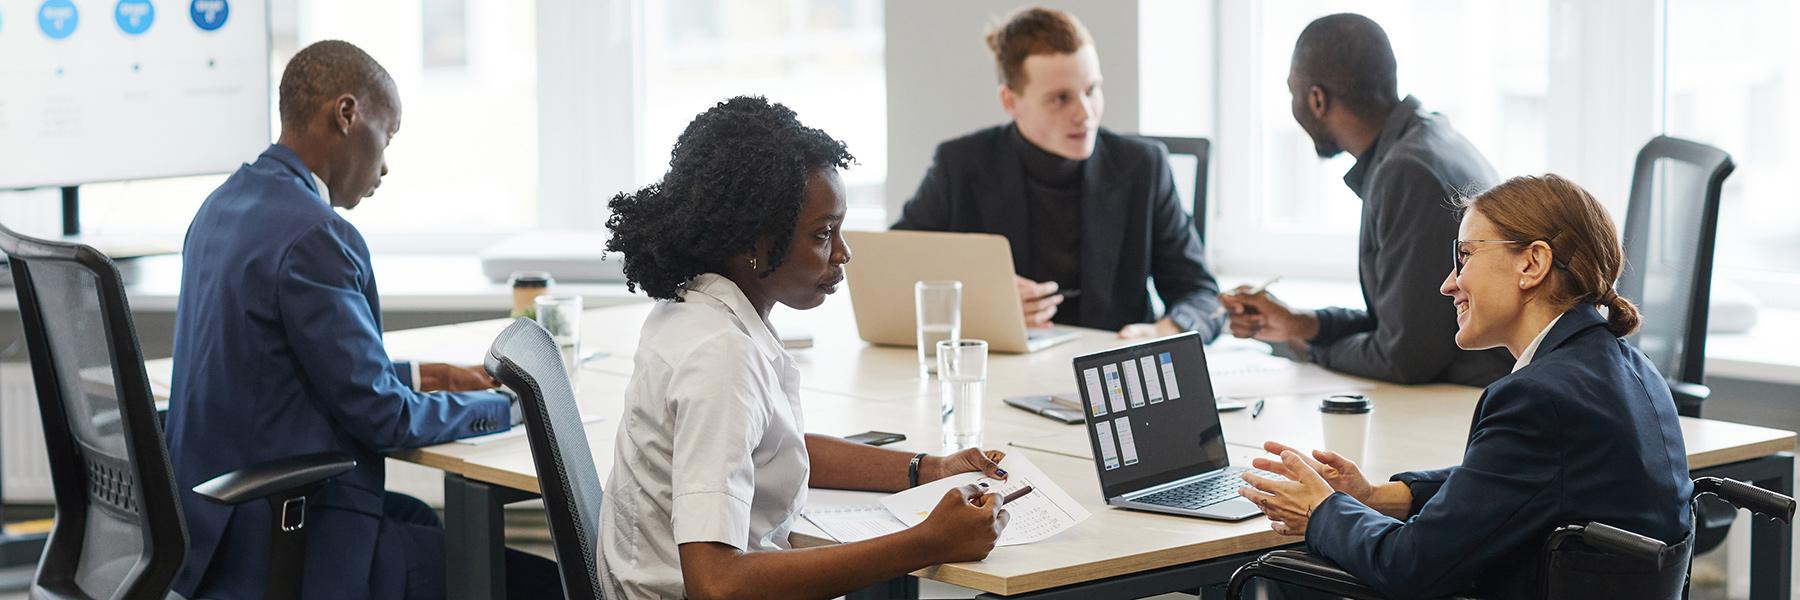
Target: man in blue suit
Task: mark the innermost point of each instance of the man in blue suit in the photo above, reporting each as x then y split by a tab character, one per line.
278	353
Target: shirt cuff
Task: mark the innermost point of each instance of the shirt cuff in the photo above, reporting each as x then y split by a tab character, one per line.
711	517
413	366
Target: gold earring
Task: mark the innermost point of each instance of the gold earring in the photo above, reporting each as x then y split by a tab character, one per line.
753	264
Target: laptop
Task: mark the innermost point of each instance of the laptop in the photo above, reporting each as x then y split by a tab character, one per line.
1158	444
888	263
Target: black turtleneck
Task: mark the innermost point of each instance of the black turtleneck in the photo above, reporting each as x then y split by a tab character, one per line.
1053	213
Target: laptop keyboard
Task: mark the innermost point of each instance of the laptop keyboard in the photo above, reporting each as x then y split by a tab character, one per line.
1205	492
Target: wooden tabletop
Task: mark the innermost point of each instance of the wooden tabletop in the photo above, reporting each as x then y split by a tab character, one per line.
850	386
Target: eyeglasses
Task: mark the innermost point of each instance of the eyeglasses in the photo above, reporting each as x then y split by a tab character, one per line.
1460	252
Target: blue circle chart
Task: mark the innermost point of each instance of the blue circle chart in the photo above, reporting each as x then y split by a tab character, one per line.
209	14
57	18
134	16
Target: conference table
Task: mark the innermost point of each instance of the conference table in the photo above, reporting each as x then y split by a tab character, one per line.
849	386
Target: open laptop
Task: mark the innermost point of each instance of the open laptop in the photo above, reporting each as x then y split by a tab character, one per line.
1158	445
888	263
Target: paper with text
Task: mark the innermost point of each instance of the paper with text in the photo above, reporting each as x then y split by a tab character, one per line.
1043	513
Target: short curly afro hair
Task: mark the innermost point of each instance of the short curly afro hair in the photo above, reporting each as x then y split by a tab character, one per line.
737	176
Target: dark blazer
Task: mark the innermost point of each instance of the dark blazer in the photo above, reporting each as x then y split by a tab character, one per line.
1408	334
1586	432
1133	227
278	353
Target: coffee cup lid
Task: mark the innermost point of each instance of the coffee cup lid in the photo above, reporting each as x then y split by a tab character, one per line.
1345	404
530	279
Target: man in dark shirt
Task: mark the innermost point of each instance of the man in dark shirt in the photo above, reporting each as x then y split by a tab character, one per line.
1409	165
1090	215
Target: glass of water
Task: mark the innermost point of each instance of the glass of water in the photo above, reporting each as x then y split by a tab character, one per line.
561	316
939	315
962	369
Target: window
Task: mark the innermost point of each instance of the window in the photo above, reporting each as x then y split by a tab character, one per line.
1281	208
822	58
1733	74
465	160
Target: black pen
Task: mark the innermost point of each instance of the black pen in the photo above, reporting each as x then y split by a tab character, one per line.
1256	410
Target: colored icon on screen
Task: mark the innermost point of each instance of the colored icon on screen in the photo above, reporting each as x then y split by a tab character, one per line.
134	16
58	18
209	15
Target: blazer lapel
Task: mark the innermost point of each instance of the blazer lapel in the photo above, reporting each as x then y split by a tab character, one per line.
1103	216
1575	320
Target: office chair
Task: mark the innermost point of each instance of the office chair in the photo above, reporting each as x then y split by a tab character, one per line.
1589	560
1200	149
119	531
525	359
1670	227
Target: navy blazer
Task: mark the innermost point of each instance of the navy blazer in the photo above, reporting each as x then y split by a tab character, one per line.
278	353
1132	226
1586	432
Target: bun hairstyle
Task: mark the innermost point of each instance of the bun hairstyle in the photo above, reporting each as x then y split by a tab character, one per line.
1584	242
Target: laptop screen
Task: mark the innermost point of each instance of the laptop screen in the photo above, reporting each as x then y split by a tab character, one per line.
1151	416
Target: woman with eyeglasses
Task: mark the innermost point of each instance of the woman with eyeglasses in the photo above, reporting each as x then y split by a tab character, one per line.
1583	429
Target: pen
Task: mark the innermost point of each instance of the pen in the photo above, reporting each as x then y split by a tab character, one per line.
1251	292
1257	409
1017	494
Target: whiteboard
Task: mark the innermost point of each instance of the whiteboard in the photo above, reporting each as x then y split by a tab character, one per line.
109	90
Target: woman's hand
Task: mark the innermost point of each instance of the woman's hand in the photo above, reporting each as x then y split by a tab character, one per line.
933	468
1288	504
964	525
1340	472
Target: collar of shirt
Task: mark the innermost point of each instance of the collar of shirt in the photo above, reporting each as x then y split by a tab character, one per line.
721	289
1531	350
324	192
1397	123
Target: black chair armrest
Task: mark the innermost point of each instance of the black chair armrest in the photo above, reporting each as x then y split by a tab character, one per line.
1744	495
1689	397
275	477
1301	569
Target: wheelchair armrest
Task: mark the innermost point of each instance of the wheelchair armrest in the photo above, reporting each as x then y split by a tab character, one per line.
276	477
1621	542
1744	495
1301	569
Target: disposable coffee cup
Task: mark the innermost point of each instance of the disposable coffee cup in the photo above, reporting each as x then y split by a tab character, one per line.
1345	421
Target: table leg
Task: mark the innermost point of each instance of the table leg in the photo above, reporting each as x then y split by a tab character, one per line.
904	587
475	537
1772	542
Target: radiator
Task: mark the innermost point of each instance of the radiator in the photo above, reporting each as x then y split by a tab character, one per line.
24	466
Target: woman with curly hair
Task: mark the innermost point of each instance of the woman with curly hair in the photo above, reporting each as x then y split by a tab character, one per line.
712	461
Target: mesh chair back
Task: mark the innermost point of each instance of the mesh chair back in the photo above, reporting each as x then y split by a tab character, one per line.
1198	150
119	531
1669	232
526	359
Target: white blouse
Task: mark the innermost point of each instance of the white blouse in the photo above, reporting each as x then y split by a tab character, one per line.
711	447
1531	350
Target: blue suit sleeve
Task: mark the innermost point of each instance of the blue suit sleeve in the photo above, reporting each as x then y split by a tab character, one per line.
336	336
1500	499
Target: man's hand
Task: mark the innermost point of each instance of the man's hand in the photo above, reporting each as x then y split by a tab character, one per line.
1160	328
1037	300
435	377
1261	315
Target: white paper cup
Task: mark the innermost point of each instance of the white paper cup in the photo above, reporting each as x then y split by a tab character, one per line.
1345	421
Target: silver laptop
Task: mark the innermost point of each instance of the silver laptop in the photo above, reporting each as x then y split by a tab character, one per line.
1158	445
888	263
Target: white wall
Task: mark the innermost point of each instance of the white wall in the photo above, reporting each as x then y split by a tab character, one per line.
942	83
